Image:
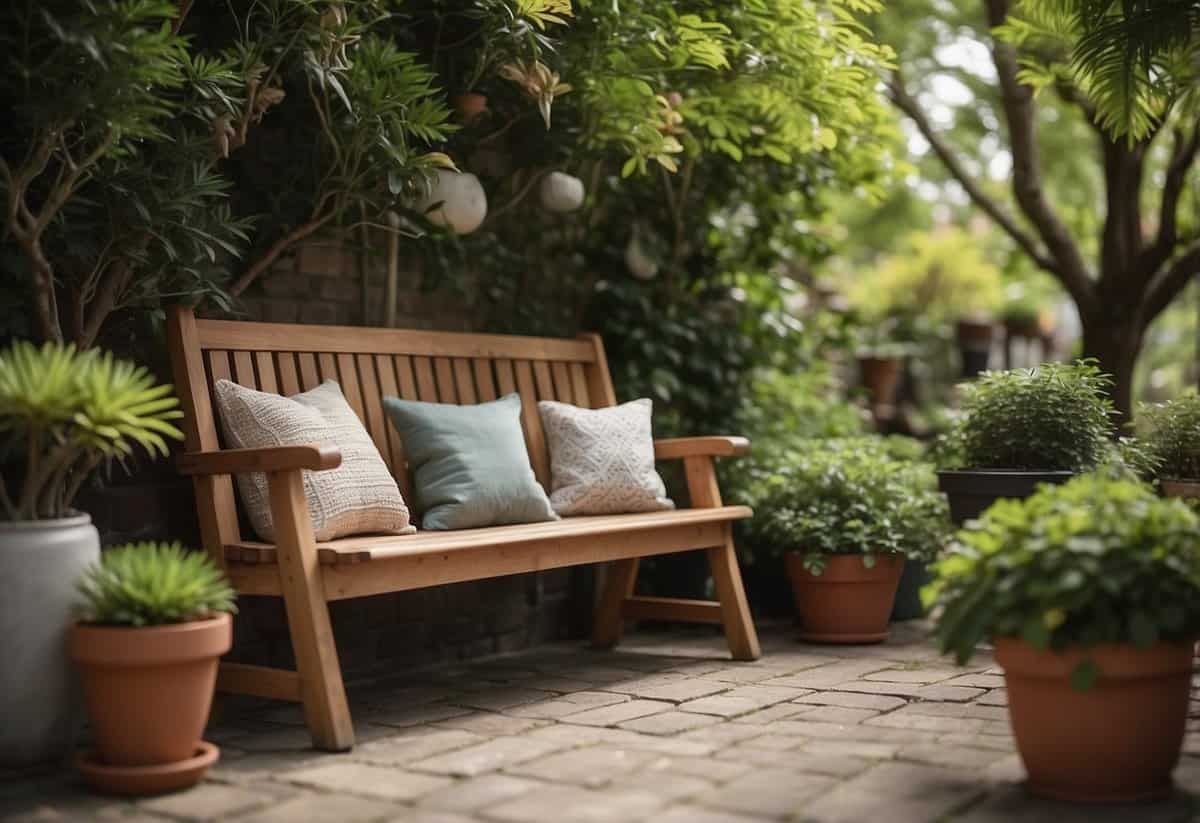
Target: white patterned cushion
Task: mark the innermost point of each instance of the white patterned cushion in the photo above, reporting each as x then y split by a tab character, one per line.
358	496
602	460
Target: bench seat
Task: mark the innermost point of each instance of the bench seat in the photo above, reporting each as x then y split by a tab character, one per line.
391	546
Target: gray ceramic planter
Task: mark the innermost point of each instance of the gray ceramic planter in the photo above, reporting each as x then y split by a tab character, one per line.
40	562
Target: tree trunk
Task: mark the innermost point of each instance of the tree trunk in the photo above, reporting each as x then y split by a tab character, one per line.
1115	339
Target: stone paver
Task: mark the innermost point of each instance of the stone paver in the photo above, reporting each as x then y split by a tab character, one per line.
568	804
485	757
367	779
667	730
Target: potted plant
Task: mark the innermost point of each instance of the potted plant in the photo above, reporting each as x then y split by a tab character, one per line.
63	415
1170	434
1024	427
153	622
1090	592
880	363
847	515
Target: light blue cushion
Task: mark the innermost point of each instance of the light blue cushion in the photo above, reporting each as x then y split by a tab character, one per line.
468	464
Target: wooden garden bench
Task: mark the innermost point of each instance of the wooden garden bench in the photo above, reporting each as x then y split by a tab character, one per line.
430	366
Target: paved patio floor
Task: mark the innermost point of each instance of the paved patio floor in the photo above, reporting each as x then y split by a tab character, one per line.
665	730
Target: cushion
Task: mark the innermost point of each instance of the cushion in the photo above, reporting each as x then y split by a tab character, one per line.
469	465
602	460
358	496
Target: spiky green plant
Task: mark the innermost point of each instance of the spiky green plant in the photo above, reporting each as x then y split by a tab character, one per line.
149	584
68	412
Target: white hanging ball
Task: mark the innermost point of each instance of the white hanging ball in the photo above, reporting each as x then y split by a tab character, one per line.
561	192
640	264
463	201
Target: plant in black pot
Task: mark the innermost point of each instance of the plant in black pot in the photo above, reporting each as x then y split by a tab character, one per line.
1022	428
1169	433
847	515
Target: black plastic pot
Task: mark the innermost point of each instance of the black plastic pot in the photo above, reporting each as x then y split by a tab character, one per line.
908	594
971	491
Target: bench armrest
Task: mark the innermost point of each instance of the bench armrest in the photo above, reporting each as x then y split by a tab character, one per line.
679	447
313	456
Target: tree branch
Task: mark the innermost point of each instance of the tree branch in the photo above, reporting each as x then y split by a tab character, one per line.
1016	100
277	248
907	104
1168	283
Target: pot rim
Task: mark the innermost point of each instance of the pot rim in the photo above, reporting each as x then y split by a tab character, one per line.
103	645
1115	660
70	521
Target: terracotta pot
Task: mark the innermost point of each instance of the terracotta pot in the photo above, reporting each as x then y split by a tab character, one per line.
847	603
148	690
880	377
1116	742
470	106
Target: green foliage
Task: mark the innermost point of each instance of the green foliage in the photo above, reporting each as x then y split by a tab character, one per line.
846	496
1056	417
152	584
1135	61
1093	561
68	412
1170	434
939	277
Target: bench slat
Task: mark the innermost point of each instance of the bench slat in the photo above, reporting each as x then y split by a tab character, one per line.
310	374
289	377
231	335
426	388
483	379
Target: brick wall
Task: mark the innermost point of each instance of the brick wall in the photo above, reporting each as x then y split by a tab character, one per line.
322	284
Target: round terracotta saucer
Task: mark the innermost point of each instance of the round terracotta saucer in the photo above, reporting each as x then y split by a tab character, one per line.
145	780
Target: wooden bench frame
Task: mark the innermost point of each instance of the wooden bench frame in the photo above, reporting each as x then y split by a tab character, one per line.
286	358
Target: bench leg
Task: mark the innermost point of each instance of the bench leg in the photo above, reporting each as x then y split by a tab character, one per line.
735	610
618	585
321	689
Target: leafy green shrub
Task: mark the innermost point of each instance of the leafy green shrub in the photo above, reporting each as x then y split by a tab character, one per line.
848	496
1056	417
68	412
1170	434
149	584
1097	560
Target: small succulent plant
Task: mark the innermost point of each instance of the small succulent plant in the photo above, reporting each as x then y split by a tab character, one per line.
150	584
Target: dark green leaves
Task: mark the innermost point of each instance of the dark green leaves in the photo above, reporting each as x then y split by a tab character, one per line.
847	497
1098	560
1170	433
1055	417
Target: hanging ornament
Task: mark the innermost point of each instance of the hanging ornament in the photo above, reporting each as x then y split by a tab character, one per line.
455	200
637	259
561	192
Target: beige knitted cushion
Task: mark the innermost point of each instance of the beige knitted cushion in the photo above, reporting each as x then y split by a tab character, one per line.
602	460
358	496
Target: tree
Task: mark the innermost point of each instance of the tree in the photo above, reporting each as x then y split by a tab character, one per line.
116	169
1146	246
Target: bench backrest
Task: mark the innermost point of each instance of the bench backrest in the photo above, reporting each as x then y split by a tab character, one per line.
368	363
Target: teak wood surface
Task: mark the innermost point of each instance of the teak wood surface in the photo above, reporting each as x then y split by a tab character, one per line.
439	367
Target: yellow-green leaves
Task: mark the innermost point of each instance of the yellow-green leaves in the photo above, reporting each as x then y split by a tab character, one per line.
67	412
150	584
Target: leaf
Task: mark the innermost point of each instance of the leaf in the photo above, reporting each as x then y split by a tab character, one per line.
1084	675
1142	630
1035	633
